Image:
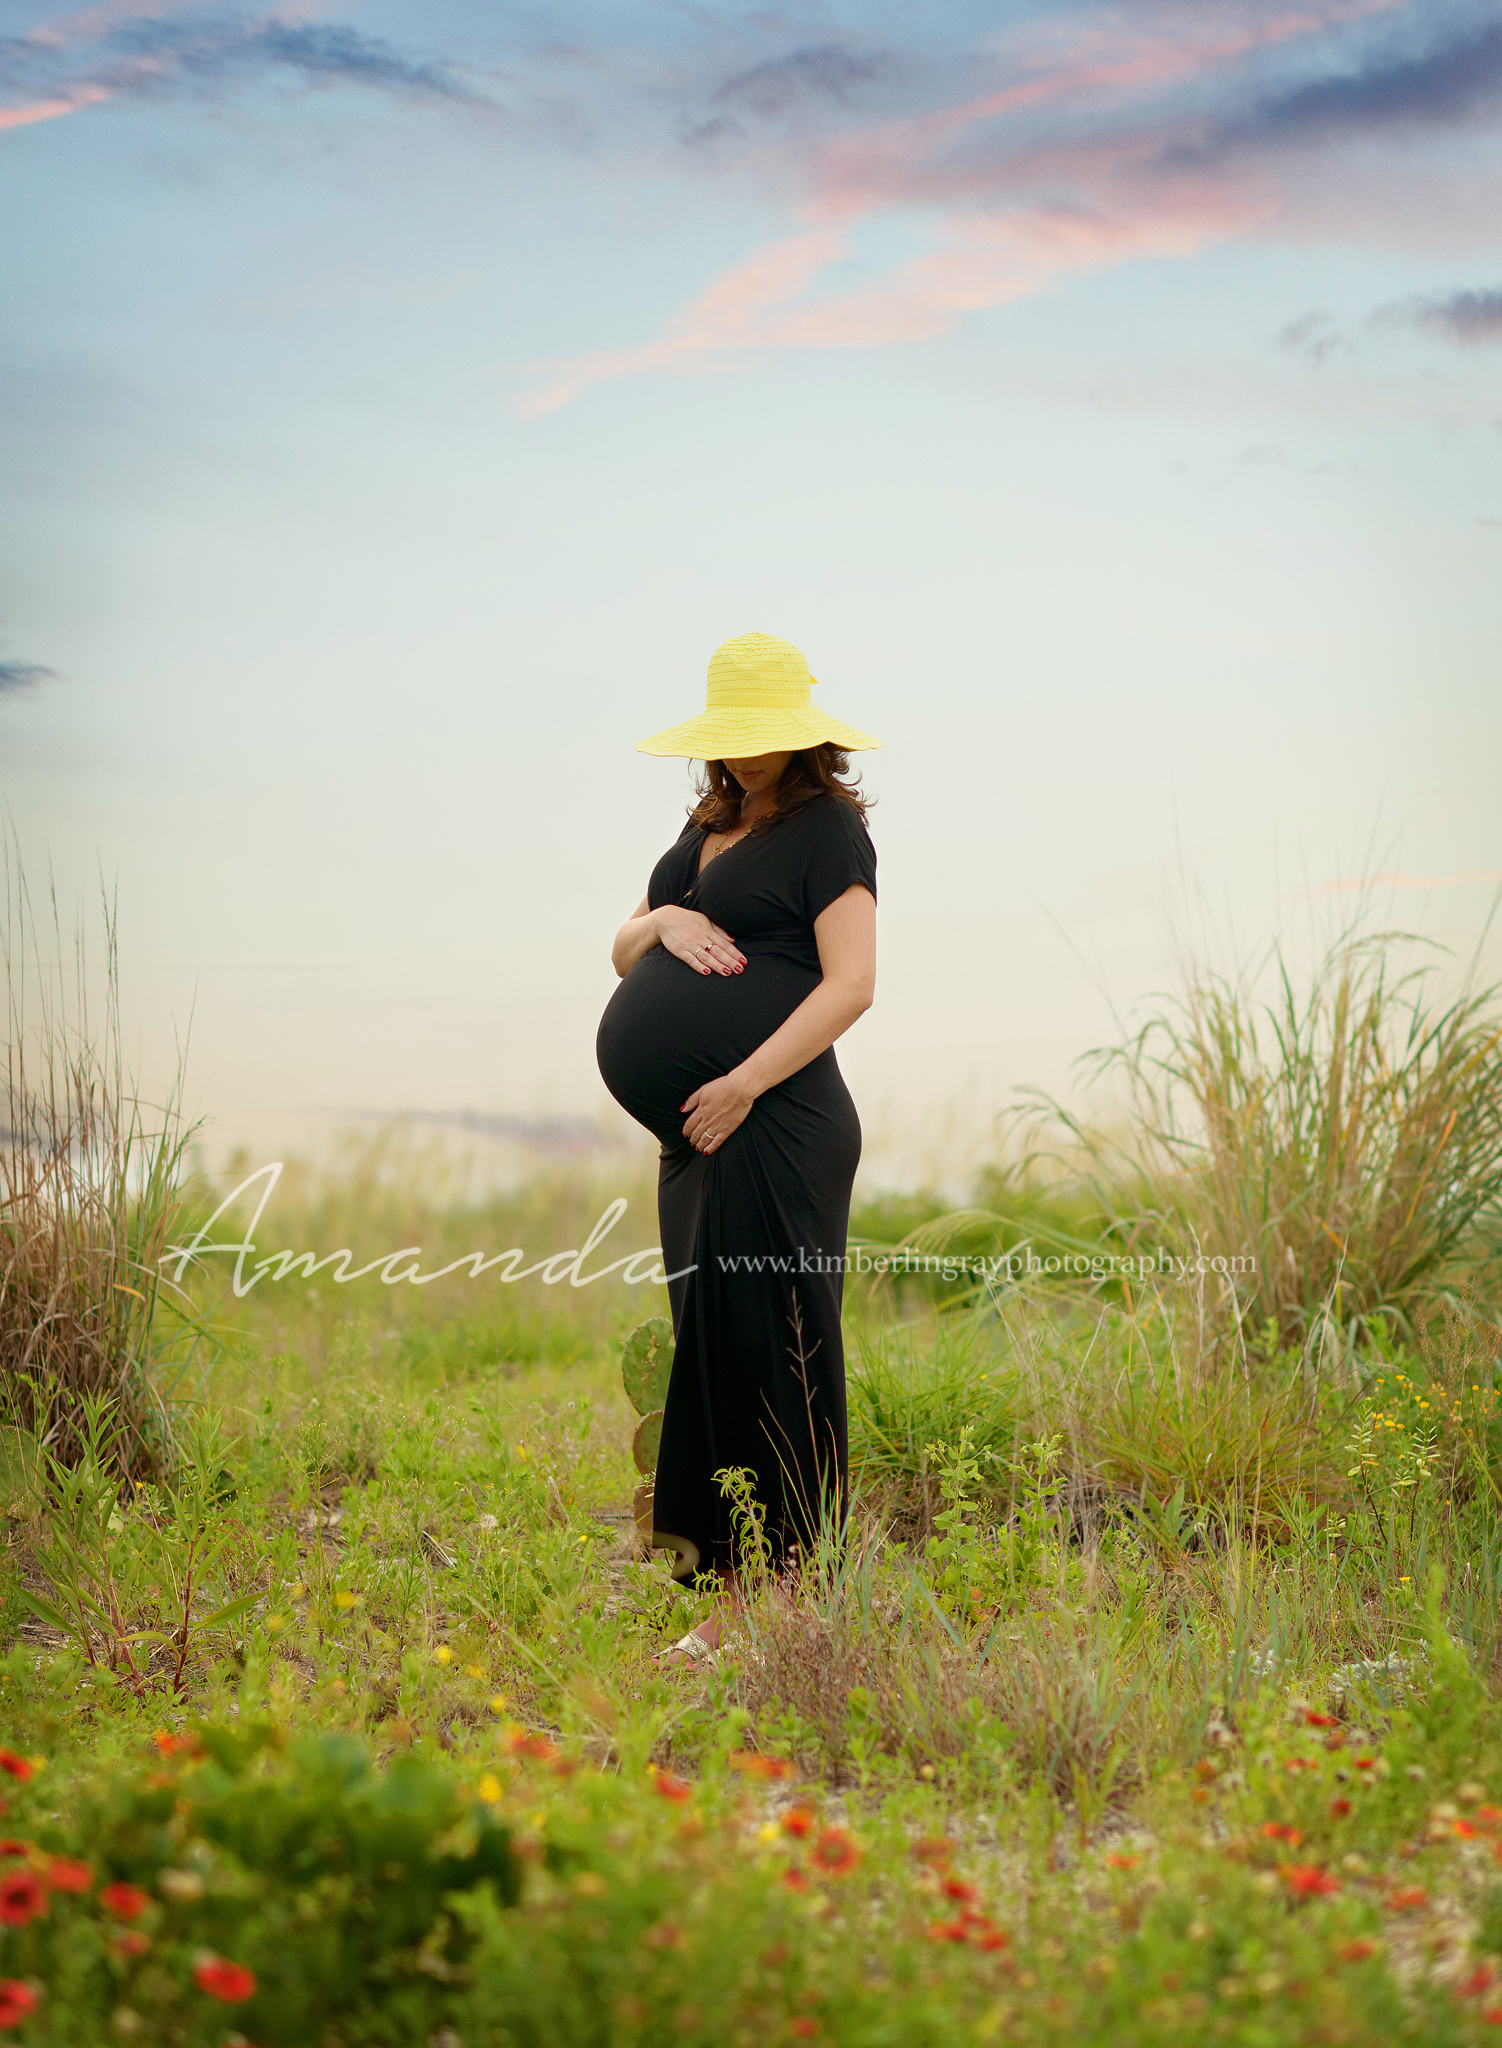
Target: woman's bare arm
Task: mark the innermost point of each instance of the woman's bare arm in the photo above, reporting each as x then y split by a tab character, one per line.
684	933
846	937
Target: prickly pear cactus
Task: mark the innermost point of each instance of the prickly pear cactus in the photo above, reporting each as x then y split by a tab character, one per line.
646	1361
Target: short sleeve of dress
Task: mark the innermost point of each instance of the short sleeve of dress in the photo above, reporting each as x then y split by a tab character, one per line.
675	871
840	853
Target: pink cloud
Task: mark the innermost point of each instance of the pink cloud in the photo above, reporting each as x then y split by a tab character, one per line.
719	319
53	109
1009	222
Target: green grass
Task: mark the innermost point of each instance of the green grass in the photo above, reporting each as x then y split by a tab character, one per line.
1152	1693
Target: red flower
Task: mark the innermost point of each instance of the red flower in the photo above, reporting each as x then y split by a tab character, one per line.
949	1930
989	1937
22	1898
1123	1862
671	1787
932	1849
1314	1720
1308	1881
9	1846
1366	1763
230	1981
1357	1951
1487	1817
1482	1978
1279	1831
803	2025
1406	1896
65	1876
835	1853
16	2001
16	1766
1340	1808
755	1765
125	1901
520	1743
130	1941
1467	1830
1492	2015
798	1821
794	1879
956	1888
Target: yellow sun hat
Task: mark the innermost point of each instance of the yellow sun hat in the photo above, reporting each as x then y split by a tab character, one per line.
757	702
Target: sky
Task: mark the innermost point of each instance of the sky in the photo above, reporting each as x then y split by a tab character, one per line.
398	405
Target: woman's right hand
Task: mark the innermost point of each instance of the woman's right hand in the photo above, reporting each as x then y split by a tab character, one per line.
697	940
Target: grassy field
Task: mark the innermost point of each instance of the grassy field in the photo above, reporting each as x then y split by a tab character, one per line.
1150	1695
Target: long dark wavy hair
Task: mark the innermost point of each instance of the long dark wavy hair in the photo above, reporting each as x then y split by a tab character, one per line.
814	771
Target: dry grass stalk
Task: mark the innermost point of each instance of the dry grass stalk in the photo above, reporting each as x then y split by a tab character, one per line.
88	1194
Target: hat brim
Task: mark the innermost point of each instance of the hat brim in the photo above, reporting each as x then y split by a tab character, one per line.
732	733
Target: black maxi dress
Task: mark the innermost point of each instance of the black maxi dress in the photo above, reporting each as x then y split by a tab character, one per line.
754	1233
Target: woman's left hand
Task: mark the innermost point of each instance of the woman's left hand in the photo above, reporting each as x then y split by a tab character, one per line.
715	1110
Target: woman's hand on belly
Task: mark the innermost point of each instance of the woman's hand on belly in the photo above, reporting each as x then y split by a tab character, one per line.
697	940
717	1109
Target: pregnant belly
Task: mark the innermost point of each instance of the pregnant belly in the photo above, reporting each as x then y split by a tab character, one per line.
668	1029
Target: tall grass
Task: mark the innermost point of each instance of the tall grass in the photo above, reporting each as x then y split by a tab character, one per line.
88	1195
1346	1134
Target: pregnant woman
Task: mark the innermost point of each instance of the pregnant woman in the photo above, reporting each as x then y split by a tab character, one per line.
752	951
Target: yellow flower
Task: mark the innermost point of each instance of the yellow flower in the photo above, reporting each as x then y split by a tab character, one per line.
275	1623
443	1654
768	1831
345	1601
490	1788
474	1670
498	1703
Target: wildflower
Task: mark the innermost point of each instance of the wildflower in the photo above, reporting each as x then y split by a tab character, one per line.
1308	1881
835	1853
956	1888
1314	1720
990	1937
66	1876
14	1766
520	1743
1123	1862
22	1898
1482	1978
230	1982
803	2026
932	1849
345	1600
16	2001
474	1670
1487	1818
948	1930
1406	1897
443	1655
1365	1763
1466	1829
1279	1831
498	1703
1358	1951
794	1879
798	1821
671	1787
1492	2015
755	1765
125	1901
1340	1808
130	1941
11	1847
490	1788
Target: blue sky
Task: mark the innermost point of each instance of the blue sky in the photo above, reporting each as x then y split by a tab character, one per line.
398	405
